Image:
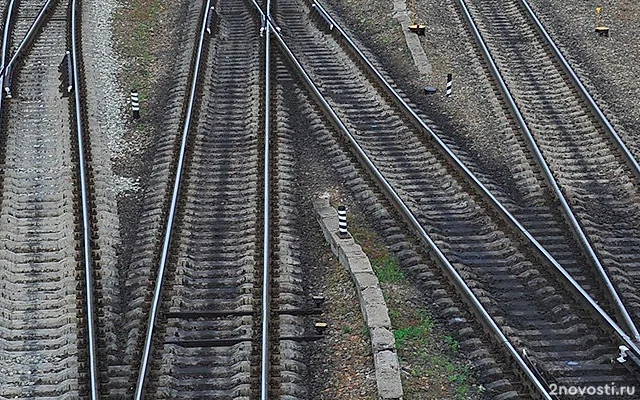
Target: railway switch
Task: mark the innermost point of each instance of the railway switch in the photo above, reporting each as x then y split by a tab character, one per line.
212	17
318	300
325	18
419	29
66	74
69	72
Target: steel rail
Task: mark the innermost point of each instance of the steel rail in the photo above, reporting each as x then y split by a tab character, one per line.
28	37
567	210
266	236
6	37
408	214
155	305
591	103
86	219
6	34
581	295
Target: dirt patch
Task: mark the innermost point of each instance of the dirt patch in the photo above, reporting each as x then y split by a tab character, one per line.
347	342
146	33
432	366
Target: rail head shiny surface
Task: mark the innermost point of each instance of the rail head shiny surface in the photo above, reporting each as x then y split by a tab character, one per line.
85	203
266	243
166	244
406	212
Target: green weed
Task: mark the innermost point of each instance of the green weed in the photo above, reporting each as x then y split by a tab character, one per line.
452	343
387	269
413	332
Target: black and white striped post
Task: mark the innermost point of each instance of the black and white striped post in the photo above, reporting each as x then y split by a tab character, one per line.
135	104
342	222
449	84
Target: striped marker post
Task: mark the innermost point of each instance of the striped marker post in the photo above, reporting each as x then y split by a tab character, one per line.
135	104
342	222
449	84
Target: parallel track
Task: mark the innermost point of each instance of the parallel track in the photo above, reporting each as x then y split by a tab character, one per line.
512	266
222	325
586	160
215	312
48	344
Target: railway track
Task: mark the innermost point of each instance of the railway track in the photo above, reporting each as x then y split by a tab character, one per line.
586	160
49	340
505	273
227	316
217	230
228	272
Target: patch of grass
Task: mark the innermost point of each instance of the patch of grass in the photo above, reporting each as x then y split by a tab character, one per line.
364	331
140	20
416	331
394	315
460	377
369	242
452	343
387	269
385	265
346	329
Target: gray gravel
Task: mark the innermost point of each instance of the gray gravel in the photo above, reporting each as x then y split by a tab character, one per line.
107	98
106	127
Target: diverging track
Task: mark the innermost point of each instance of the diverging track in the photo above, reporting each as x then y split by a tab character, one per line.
205	336
217	225
519	291
592	168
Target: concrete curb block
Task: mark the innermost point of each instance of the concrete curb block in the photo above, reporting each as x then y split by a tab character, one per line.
418	54
374	308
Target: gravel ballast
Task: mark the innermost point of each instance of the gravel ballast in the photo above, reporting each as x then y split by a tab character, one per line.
608	66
